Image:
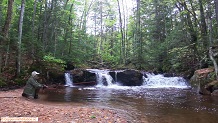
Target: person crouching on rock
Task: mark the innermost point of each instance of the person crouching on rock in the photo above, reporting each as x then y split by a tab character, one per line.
32	87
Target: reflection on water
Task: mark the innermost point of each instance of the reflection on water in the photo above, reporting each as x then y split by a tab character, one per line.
68	95
160	105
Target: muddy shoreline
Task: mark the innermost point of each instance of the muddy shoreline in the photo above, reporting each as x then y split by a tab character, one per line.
14	105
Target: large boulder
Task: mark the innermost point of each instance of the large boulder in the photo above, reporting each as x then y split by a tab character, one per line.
83	77
214	93
129	78
204	79
211	86
89	77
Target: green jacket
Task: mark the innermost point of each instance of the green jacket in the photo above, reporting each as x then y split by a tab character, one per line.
31	87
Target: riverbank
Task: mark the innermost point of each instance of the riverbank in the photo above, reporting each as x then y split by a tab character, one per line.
14	105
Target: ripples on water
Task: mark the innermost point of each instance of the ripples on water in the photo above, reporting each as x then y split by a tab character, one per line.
158	105
160	99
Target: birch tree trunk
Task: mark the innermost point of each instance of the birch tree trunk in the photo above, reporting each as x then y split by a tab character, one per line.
20	36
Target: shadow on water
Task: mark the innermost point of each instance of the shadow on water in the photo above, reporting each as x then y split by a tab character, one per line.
157	105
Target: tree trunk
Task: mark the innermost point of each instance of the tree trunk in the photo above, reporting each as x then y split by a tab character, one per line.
20	37
203	25
1	15
193	33
6	27
216	10
71	28
45	25
53	28
33	31
101	35
0	36
5	31
211	54
214	61
122	50
138	35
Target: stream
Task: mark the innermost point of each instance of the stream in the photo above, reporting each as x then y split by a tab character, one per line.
159	100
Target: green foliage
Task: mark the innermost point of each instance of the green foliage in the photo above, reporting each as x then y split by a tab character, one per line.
180	58
2	83
50	58
52	63
20	81
157	36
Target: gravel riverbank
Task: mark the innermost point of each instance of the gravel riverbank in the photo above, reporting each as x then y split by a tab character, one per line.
14	105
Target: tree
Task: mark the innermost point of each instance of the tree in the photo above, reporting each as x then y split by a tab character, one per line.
6	27
122	50
216	10
20	37
33	29
5	31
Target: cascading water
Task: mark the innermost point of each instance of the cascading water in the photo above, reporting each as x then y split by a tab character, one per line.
159	81
68	80
160	99
103	77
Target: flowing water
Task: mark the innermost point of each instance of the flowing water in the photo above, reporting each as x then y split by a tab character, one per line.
159	100
68	79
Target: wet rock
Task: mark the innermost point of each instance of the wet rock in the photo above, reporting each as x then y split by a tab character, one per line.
212	86
215	93
203	79
83	77
130	78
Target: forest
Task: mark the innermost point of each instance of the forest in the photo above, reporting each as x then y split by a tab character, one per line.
152	35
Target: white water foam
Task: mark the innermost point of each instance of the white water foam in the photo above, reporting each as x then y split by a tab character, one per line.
104	80
104	77
159	81
68	80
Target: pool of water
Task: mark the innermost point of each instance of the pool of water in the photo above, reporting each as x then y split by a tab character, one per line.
155	105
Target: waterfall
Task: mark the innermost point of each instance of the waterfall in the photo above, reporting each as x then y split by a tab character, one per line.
103	77
68	80
115	76
159	81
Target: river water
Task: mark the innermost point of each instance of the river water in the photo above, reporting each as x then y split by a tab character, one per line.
172	102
